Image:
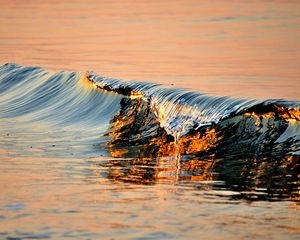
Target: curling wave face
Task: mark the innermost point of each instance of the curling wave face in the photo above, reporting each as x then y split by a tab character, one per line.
246	144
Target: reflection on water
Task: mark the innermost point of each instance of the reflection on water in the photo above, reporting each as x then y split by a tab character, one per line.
255	153
266	176
100	197
80	162
159	170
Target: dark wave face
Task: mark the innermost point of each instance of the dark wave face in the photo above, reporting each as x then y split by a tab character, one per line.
152	133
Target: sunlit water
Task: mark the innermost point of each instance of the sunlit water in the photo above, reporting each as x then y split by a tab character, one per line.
59	177
238	48
63	175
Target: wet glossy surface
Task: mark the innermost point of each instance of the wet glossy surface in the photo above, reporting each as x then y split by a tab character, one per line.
59	178
73	198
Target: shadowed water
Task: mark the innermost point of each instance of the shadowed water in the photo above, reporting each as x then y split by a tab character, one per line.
84	156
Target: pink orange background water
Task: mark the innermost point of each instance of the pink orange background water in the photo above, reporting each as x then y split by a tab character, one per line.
237	48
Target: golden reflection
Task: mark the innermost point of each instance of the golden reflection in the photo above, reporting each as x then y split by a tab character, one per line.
278	111
276	175
85	82
117	153
190	144
135	94
291	113
230	151
137	124
152	170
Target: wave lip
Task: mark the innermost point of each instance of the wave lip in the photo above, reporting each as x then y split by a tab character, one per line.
179	111
149	110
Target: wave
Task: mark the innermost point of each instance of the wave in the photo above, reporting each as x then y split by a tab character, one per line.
246	141
152	110
62	99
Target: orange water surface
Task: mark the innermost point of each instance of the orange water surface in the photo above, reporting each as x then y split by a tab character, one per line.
51	188
237	48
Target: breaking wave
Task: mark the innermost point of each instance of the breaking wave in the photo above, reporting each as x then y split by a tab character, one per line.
246	143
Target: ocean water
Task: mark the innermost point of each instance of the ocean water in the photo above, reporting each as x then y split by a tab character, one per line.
237	48
86	156
203	141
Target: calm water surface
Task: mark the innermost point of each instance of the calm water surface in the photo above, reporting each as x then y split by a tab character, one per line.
89	196
239	48
57	179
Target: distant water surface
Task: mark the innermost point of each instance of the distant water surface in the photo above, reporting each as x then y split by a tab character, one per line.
237	48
